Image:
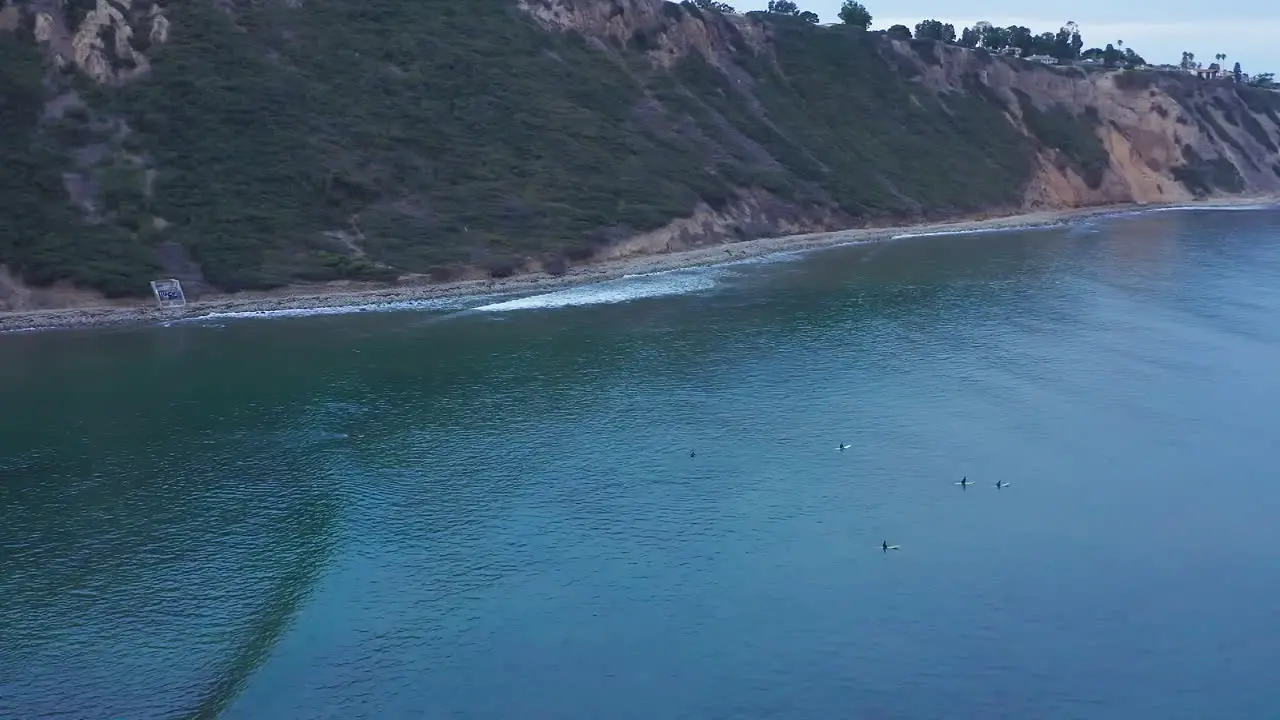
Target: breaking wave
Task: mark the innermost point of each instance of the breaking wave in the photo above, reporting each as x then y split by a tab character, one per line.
624	289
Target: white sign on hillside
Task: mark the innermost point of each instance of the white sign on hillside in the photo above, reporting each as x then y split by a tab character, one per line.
169	293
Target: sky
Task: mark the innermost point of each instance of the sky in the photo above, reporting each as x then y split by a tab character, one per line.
1248	31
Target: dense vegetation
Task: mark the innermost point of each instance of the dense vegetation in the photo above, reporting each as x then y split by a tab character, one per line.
1075	138
1203	176
364	140
473	139
41	236
881	145
272	142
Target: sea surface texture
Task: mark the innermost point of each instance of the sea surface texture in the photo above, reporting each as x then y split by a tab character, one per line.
627	500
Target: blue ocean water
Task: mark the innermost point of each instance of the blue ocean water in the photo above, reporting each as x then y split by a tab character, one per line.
489	509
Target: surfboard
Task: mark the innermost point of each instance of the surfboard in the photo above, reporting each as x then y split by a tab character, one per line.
891	547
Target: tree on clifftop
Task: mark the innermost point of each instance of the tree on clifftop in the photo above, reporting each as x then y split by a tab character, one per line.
935	30
1021	37
898	32
1111	56
786	7
855	13
1132	59
1067	42
991	37
713	5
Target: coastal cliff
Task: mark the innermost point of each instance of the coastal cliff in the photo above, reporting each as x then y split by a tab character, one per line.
242	145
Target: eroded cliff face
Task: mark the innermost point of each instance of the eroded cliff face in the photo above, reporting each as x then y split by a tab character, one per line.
103	39
671	33
226	145
1154	126
1167	137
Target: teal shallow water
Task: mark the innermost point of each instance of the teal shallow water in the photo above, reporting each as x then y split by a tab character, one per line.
493	513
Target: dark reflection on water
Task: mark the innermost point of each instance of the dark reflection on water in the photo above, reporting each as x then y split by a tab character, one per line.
132	536
489	514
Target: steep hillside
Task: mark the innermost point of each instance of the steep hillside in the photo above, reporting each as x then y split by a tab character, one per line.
249	144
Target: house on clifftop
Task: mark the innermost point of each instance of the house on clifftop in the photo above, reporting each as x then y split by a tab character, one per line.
1209	73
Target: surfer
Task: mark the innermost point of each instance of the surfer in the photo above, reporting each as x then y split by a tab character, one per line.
964	481
999	484
692	453
885	546
844	446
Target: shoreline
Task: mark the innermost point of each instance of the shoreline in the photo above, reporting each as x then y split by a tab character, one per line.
338	300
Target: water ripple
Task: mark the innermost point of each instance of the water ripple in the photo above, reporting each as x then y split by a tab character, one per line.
379	517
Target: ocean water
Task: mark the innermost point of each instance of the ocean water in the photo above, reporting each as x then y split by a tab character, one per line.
488	509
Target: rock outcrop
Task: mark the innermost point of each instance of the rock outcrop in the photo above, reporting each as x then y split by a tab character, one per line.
1156	128
101	41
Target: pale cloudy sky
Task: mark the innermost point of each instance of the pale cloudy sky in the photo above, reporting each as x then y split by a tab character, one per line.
1248	31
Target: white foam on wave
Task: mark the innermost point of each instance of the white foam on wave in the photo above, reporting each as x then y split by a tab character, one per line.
1189	208
667	282
625	289
980	230
401	305
1216	208
1087	221
781	256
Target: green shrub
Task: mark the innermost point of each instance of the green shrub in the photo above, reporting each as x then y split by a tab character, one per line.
1255	129
1074	137
878	146
468	136
1202	176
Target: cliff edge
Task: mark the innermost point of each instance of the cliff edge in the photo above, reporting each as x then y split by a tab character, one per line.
241	144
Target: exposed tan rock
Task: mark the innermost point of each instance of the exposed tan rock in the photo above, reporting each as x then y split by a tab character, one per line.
46	27
159	26
87	49
92	55
1138	127
10	18
755	213
17	297
622	21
